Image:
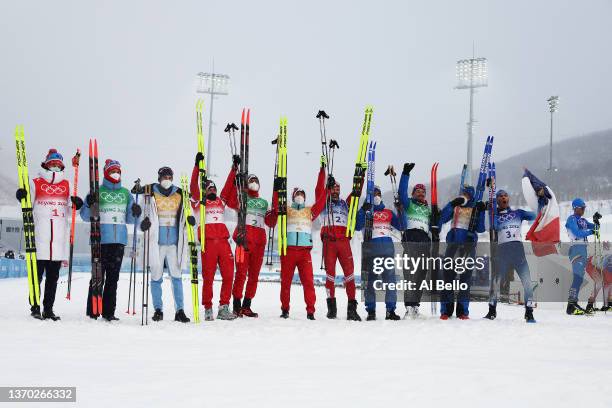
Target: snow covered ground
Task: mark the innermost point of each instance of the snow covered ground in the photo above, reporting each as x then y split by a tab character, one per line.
561	361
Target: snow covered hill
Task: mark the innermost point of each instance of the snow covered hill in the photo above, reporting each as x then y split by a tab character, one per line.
562	361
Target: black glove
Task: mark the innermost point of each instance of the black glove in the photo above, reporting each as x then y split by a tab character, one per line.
198	158
278	184
236	161
366	206
489	181
596	218
488	205
145	224
191	220
457	201
136	210
89	199
20	194
480	206
78	203
407	168
331	182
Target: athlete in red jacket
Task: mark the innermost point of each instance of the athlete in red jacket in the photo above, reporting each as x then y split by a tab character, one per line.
299	244
257	218
216	244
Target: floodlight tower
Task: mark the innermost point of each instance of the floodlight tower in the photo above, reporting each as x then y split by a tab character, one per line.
553	104
212	84
471	74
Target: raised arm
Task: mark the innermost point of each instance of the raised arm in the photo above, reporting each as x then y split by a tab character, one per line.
320	199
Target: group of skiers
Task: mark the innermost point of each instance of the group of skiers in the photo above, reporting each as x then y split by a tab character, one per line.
165	220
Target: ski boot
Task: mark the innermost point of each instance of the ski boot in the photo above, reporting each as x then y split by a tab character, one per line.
332	310
412	312
35	312
158	316
179	316
245	310
110	318
604	308
529	315
391	315
48	314
224	313
463	317
590	309
208	315
443	317
351	311
574	309
237	307
284	314
371	315
310	316
493	313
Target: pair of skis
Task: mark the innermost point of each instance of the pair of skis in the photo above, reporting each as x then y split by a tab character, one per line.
201	173
97	277
371	173
280	186
146	267
75	189
399	208
361	166
435	233
482	180
28	217
242	185
193	251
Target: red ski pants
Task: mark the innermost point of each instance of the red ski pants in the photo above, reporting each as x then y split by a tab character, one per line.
218	252
339	250
253	258
297	257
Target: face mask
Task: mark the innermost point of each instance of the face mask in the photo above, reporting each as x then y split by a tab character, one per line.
299	200
377	200
211	196
115	176
55	169
253	186
166	184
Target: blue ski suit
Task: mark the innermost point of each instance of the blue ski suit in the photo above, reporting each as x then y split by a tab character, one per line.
578	229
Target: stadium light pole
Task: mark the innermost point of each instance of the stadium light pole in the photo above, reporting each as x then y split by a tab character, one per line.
471	74
553	104
212	84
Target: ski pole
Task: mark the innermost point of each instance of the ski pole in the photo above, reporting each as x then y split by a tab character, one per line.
136	191
75	186
271	230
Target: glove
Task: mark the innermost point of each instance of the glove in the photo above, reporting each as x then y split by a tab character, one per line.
480	206
489	181
488	205
278	184
198	158
457	201
596	218
236	161
366	206
408	168
89	199
78	203
191	220
323	161
145	224
331	182
20	194
136	210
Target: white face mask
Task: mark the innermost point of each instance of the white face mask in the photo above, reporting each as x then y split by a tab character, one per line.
254	186
115	176
166	184
377	200
299	200
55	169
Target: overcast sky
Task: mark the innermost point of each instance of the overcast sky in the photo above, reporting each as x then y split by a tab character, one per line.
123	71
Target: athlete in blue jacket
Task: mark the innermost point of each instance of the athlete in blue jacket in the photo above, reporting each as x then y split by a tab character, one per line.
510	254
578	229
460	238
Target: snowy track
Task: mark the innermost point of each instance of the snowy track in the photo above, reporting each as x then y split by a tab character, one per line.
561	361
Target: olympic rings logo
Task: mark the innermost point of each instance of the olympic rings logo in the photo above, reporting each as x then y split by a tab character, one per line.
421	210
112	197
257	204
506	217
53	189
381	216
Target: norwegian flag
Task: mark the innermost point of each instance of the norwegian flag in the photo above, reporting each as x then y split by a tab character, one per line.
544	234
